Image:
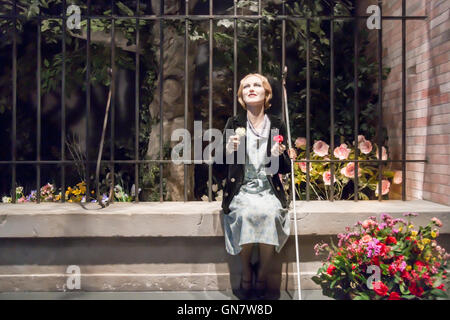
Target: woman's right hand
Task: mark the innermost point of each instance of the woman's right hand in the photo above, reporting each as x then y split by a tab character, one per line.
233	143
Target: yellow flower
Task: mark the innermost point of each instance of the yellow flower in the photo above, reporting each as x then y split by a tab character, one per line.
92	192
427	259
433	234
421	247
426	241
413	233
408	268
411	226
70	200
58	197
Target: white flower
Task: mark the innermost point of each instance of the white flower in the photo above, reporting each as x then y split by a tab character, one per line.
205	197
6	199
214	188
240	131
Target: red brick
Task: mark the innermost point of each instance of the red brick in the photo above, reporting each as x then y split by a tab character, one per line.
440	198
438	139
440	119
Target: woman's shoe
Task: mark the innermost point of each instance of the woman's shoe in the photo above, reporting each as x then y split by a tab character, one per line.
245	292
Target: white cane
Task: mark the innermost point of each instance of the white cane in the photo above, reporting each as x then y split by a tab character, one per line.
293	183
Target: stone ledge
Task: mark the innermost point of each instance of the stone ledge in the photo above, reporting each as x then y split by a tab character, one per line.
191	219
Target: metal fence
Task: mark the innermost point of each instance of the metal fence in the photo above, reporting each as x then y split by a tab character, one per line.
161	18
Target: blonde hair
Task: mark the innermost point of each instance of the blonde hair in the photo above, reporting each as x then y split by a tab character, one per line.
266	86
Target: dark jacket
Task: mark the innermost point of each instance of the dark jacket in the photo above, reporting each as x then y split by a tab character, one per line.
234	173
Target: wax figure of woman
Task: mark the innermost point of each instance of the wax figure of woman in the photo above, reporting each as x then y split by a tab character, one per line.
254	204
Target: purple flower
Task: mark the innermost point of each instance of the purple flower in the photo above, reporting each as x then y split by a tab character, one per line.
373	248
410	214
399	220
402	266
382	225
385	216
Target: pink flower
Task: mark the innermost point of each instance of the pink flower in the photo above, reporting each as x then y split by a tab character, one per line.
366	223
22	200
302	166
365	146
320	148
437	221
397	177
361	138
300	142
342	152
327	178
278	138
349	170
383	153
366	238
385	185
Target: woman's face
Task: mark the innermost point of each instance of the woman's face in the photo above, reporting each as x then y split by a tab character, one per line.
253	92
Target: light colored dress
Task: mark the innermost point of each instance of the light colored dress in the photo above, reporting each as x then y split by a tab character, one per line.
256	215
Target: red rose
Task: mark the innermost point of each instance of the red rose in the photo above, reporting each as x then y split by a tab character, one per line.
390	240
278	138
394	296
331	269
417	291
380	288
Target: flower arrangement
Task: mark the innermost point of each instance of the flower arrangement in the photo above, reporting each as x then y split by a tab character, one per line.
409	262
76	193
320	172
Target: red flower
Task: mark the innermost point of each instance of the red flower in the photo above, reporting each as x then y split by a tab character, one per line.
417	291
376	260
331	269
441	287
419	265
392	269
390	240
384	249
394	296
278	138
380	288
405	275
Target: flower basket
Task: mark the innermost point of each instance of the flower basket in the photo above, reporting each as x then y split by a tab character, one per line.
387	260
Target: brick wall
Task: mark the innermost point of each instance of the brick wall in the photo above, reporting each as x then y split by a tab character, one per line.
427	94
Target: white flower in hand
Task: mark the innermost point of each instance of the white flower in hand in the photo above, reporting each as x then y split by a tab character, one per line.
240	131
